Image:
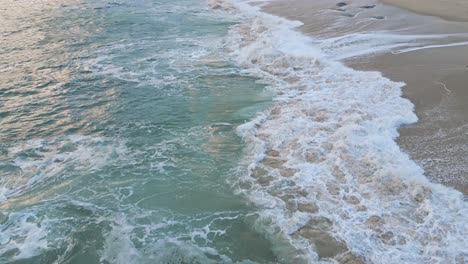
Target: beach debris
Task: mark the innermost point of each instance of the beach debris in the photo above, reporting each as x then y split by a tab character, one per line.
341	4
368	6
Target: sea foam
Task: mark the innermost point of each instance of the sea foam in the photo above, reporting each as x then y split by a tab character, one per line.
323	165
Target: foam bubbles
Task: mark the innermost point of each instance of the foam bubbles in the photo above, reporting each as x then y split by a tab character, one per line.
323	165
24	237
118	246
36	161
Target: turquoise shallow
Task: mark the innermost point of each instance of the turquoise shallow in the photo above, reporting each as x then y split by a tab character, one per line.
117	140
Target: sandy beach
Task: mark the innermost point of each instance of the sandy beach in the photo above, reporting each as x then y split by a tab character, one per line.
436	80
436	76
422	50
448	9
437	84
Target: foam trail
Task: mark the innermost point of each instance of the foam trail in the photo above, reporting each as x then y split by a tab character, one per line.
323	164
432	46
372	43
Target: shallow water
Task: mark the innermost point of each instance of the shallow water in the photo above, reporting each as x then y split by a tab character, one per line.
117	135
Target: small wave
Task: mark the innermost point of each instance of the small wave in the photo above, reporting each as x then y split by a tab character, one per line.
35	162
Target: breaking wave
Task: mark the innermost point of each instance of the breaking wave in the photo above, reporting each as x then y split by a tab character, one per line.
322	164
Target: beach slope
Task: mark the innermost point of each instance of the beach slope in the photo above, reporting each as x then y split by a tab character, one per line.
456	10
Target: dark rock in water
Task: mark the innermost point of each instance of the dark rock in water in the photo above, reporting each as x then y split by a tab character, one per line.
368	6
378	17
347	15
341	4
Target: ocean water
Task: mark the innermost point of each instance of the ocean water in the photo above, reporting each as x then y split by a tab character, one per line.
203	132
118	135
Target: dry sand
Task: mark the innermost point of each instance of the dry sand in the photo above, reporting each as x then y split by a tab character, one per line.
448	9
436	78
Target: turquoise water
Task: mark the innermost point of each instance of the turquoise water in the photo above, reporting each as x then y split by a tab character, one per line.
118	140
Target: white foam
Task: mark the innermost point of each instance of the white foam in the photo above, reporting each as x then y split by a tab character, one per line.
323	164
372	43
456	44
118	247
24	235
161	242
40	159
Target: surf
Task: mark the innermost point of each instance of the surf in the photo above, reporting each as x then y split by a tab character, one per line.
323	165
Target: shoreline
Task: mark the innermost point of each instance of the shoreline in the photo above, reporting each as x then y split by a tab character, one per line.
434	81
438	96
325	159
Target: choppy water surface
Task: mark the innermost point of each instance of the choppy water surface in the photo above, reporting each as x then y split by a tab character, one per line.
141	132
117	135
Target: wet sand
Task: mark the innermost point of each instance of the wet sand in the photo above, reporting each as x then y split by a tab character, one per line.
437	84
437	81
436	78
447	9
